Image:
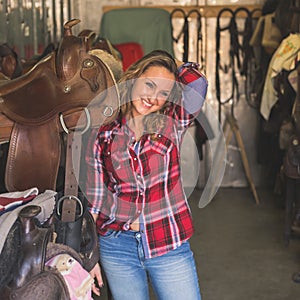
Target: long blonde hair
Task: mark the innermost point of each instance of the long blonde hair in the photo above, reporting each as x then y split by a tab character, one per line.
154	122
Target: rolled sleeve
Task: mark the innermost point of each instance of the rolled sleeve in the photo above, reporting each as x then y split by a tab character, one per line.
194	87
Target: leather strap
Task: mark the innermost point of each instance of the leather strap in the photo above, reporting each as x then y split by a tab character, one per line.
73	157
73	152
72	163
68	210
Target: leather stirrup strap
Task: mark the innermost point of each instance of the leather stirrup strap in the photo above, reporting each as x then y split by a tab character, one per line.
73	158
71	175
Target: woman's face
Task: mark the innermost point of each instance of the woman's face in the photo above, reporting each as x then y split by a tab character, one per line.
151	90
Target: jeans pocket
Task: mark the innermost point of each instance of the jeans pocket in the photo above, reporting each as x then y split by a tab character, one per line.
109	234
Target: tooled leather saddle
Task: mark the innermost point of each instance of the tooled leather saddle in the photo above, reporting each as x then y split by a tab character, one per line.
52	97
70	90
29	275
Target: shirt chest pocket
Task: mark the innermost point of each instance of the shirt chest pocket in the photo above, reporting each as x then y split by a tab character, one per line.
118	164
156	158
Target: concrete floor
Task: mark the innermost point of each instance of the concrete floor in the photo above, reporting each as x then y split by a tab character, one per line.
239	248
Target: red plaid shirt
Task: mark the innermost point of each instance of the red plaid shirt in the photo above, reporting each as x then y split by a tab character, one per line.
129	180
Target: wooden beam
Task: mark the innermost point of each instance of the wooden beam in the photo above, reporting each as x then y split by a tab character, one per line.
208	11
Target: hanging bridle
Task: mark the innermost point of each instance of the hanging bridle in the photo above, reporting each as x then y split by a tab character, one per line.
185	33
240	55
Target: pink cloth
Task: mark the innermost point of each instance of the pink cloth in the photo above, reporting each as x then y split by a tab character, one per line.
78	280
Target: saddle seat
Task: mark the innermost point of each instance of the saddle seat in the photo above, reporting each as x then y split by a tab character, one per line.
39	95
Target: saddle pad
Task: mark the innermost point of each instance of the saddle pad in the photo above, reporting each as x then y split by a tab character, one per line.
21	194
7	204
150	27
78	280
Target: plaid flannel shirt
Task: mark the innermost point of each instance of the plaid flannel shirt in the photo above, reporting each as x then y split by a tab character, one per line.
129	180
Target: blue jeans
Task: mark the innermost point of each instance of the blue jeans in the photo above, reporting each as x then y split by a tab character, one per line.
173	276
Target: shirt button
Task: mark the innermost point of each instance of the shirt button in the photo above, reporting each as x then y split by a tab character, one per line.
126	226
108	153
141	193
138	176
139	211
135	158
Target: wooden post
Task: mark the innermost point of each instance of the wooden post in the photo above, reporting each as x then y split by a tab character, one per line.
234	129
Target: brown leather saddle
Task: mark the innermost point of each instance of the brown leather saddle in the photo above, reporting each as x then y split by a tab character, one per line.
71	89
30	277
10	64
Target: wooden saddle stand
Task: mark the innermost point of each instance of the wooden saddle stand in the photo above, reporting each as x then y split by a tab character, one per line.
67	93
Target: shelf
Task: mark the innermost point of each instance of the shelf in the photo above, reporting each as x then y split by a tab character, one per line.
208	11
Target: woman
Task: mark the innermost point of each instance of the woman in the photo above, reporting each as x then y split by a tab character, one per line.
134	182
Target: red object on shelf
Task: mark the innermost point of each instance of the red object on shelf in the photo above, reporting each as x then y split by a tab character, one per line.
131	52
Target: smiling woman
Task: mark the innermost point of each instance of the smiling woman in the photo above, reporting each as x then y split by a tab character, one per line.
134	181
151	91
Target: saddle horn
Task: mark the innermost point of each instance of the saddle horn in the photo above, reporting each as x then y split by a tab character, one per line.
68	26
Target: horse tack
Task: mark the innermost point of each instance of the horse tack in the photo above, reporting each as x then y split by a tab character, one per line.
240	54
237	58
58	88
291	161
33	279
185	33
10	65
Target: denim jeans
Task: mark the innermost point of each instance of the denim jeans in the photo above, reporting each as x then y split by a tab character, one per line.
173	276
